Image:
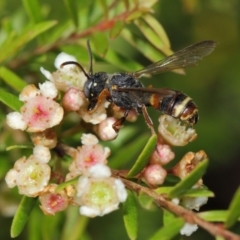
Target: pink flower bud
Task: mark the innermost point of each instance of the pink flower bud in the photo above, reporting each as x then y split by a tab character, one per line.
162	154
53	202
73	99
154	174
105	130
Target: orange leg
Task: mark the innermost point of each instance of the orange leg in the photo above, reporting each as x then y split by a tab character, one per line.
119	123
103	95
148	120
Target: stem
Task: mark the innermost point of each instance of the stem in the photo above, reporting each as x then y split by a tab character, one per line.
187	215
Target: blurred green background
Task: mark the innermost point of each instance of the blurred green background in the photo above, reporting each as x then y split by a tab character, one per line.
213	84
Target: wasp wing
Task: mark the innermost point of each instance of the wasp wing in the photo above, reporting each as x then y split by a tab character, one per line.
162	92
186	57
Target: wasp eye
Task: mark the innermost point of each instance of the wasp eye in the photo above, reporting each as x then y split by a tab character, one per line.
87	88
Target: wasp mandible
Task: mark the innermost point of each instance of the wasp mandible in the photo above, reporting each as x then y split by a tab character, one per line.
125	91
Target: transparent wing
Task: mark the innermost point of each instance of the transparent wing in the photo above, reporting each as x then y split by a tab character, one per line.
186	57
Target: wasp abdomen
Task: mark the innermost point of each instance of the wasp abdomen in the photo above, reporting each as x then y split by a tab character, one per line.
178	106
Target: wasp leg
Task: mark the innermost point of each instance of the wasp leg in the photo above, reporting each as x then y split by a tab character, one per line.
103	95
148	120
119	123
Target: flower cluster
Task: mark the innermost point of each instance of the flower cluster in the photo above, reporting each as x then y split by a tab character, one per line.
88	183
93	189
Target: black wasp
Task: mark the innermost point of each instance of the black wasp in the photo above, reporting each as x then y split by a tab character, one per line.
125	91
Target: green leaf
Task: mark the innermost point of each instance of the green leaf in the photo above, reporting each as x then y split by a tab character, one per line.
100	42
121	62
12	79
127	155
214	215
72	8
67	183
142	46
219	238
146	201
130	216
163	190
116	29
30	146
189	181
22	215
143	157
234	210
105	7
10	100
134	15
198	193
75	225
169	230
158	29
33	9
7	50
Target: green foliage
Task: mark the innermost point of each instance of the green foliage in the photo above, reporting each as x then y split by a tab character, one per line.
130	216
22	215
142	160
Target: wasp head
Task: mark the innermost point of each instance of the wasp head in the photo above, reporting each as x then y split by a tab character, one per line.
93	87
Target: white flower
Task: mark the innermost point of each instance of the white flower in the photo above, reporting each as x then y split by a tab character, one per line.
48	89
66	76
99	171
188	229
42	153
98	193
15	121
29	175
105	129
174	133
194	203
64	57
89	139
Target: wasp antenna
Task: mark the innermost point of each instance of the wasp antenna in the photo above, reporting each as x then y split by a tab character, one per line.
78	65
90	57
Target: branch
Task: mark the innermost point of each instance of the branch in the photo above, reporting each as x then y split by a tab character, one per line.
187	215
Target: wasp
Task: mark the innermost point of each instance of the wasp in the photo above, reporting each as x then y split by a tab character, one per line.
125	91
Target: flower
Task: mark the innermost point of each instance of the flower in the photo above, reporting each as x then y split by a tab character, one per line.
42	153
52	201
194	203
29	175
95	116
188	163
99	194
67	76
162	154
86	157
174	133
47	138
188	229
105	130
73	99
38	113
154	174
89	139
